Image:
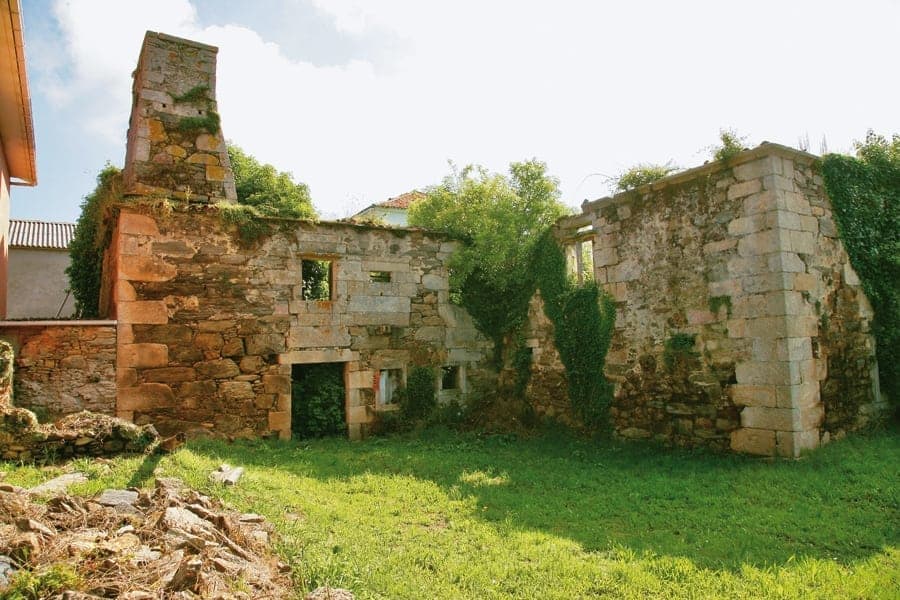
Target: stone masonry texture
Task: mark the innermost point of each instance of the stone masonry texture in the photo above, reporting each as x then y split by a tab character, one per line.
63	368
169	153
745	257
208	327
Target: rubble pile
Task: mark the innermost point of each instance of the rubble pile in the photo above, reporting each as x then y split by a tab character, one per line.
81	434
171	542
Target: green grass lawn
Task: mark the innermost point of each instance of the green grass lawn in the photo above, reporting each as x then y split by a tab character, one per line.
447	515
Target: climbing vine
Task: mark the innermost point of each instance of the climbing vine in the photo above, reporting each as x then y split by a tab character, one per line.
865	195
583	318
89	241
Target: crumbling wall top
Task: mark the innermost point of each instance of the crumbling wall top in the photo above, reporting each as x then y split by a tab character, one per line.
175	143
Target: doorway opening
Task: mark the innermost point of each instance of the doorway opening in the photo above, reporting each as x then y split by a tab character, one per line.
317	400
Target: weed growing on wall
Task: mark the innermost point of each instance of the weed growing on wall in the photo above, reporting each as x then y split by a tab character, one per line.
679	346
865	195
731	144
641	174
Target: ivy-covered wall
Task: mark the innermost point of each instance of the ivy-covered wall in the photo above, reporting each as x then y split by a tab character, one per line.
740	323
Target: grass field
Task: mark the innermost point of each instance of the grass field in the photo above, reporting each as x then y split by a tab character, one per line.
448	515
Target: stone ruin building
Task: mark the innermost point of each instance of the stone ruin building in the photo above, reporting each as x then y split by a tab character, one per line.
204	332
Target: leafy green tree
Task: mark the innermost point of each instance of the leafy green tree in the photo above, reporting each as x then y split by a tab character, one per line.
271	192
501	217
88	243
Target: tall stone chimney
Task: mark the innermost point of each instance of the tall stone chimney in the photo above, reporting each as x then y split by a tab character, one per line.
175	142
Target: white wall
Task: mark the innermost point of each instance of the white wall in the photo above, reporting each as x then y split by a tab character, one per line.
37	284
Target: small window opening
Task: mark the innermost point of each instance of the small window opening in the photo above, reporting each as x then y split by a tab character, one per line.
580	261
389	381
450	377
316	279
380	276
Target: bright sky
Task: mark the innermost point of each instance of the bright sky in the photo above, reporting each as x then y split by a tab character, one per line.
367	99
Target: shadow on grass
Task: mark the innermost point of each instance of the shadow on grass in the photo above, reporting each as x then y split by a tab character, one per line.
145	471
840	503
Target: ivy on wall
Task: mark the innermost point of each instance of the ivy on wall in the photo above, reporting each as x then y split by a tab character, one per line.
89	241
865	195
583	318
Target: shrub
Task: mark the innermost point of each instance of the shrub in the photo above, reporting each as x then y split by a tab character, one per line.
642	174
317	401
731	145
419	398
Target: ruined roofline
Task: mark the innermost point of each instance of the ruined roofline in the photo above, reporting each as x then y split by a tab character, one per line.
764	149
182	206
184	41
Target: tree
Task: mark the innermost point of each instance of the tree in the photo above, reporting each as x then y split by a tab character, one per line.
272	193
500	217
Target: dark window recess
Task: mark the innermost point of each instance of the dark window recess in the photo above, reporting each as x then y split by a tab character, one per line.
316	278
380	276
450	378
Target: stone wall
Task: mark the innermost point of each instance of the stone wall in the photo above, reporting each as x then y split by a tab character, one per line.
63	367
744	258
175	143
209	327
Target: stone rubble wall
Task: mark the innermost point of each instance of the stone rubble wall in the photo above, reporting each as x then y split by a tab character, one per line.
63	367
209	327
746	257
22	438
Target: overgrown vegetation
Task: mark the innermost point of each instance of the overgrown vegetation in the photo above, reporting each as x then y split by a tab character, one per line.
418	399
263	192
195	94
583	318
510	254
679	347
89	241
642	174
210	123
317	400
450	515
731	144
865	194
35	585
501	218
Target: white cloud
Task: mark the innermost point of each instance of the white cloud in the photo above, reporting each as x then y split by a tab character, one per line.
588	87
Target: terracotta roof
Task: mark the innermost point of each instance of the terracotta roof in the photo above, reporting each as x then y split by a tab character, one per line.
40	234
403	200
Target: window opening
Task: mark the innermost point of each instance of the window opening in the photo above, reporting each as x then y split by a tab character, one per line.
450	377
317	400
316	279
389	381
380	276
